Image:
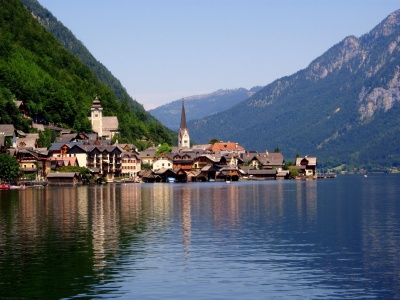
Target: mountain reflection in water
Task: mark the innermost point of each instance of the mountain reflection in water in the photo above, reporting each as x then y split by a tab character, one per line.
334	238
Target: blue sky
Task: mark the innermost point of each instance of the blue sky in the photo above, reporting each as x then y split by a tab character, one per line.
164	50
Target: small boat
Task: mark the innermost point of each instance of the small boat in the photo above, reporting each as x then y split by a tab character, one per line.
4	186
17	187
170	179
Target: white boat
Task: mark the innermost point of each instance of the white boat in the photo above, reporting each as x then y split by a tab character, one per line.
17	187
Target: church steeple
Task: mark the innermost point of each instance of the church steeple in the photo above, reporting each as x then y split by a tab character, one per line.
183	136
96	112
183	116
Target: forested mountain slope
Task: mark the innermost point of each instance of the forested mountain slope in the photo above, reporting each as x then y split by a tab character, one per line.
55	85
344	107
200	106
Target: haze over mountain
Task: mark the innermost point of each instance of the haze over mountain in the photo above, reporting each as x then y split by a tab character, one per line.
344	107
200	106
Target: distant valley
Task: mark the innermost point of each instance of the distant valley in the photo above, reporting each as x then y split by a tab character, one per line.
200	106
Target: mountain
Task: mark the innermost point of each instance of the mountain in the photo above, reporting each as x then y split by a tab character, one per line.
200	106
344	107
56	86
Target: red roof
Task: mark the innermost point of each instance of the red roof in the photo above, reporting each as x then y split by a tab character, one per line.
225	146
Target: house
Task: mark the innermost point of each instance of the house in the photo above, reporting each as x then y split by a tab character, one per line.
38	127
80	151
307	166
183	160
127	147
8	130
27	160
209	173
267	161
148	176
204	160
148	155
105	161
226	147
228	173
163	161
164	174
130	163
55	162
26	142
265	174
64	178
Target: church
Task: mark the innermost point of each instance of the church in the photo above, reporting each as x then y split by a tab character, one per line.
183	136
105	127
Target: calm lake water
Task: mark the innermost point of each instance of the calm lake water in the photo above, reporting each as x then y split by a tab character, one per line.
326	239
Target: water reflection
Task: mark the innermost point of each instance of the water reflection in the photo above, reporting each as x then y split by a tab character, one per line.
318	239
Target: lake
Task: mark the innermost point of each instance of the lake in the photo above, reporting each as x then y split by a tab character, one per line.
325	239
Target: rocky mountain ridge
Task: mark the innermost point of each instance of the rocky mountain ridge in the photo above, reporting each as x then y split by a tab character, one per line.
340	98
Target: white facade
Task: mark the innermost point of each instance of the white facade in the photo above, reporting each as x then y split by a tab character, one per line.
162	162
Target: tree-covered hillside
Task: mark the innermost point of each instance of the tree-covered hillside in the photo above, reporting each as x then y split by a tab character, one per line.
344	107
55	85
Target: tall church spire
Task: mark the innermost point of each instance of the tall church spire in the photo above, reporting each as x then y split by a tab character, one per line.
183	136
183	116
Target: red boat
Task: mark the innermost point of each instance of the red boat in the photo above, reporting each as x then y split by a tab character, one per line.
4	186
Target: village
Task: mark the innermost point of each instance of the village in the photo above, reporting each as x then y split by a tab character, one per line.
220	161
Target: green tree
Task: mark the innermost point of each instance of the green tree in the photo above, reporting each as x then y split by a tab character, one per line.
9	168
164	148
277	150
46	138
293	173
82	170
213	141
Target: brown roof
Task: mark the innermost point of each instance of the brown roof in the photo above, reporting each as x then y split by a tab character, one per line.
66	138
7	129
225	146
309	161
39	127
109	124
28	142
62	175
270	159
67	160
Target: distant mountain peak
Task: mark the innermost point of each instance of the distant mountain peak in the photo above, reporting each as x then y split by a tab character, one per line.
344	106
388	26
